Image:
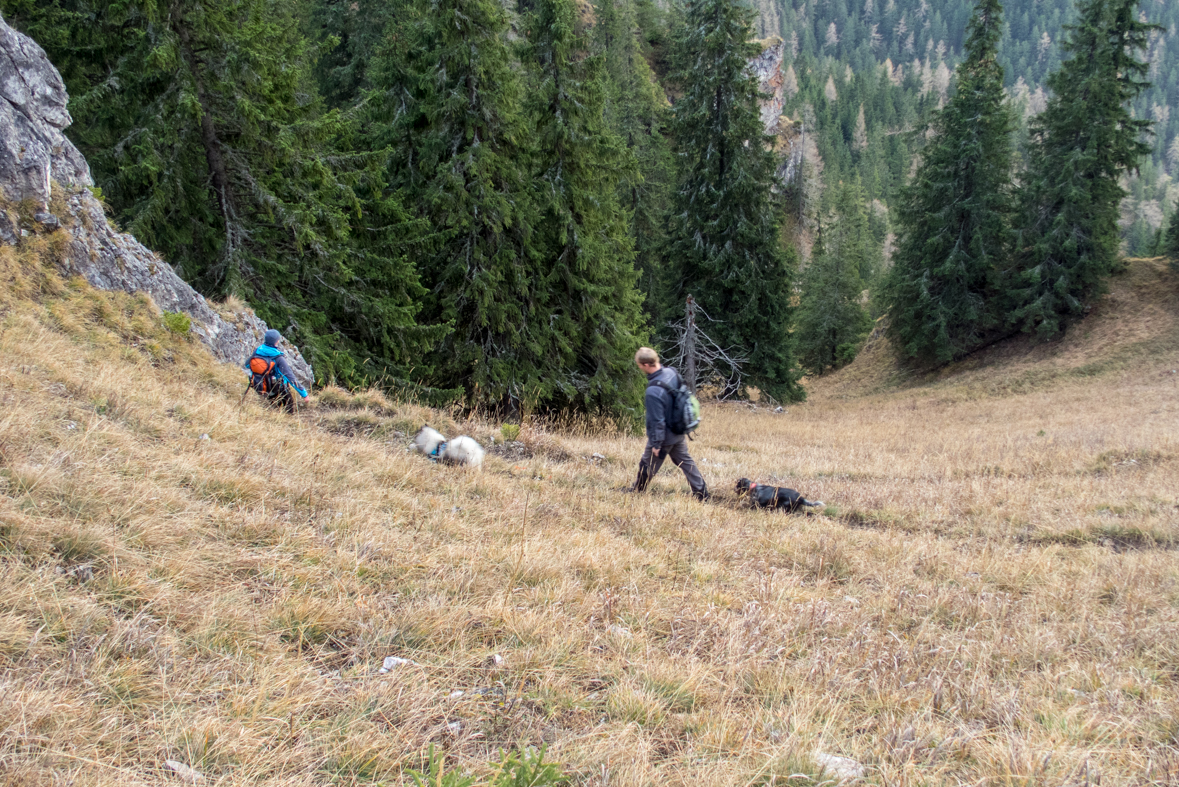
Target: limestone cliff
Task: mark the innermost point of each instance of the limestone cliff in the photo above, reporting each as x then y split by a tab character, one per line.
769	67
39	166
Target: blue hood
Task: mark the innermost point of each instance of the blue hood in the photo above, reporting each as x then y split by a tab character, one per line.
266	351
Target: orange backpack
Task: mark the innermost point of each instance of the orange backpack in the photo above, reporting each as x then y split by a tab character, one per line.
264	377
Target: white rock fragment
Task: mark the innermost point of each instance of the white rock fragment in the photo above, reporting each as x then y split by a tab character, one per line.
392	663
454	695
455	726
619	631
839	767
184	772
203	437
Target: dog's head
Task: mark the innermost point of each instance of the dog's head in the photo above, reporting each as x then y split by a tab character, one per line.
743	485
428	440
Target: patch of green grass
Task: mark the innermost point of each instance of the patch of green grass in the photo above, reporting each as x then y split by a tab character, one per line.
677	695
516	769
629	705
1117	536
79	546
789	771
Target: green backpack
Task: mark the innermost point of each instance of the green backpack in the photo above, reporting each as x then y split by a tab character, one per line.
683	417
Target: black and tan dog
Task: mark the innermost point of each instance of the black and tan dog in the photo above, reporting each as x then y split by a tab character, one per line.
778	497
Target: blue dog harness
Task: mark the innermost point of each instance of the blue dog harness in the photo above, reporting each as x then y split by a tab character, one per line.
437	452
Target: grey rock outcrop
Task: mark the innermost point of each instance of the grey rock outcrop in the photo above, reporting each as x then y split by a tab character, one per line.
767	67
33	151
36	159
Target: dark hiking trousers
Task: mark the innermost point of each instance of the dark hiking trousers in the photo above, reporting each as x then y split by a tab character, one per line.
677	451
281	398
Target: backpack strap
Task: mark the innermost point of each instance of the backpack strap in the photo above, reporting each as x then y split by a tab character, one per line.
672	388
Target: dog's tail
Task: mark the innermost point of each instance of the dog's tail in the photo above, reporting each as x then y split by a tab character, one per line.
813	503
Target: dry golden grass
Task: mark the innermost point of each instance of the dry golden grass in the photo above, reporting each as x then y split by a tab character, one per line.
991	597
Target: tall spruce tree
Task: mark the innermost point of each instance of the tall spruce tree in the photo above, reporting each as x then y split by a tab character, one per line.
832	321
349	33
1081	145
724	245
203	127
581	231
638	111
1170	241
447	98
955	217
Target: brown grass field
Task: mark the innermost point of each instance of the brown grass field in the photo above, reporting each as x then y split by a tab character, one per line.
990	598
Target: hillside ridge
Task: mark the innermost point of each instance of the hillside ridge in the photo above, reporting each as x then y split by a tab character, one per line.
1133	329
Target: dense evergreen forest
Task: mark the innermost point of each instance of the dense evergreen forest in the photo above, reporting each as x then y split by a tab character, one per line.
841	45
497	203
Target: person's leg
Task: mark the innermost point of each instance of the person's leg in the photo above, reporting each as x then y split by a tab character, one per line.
648	466
282	399
678	453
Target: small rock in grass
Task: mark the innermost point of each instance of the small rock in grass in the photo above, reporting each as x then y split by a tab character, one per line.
454	695
619	631
82	573
839	767
184	772
455	726
203	437
392	663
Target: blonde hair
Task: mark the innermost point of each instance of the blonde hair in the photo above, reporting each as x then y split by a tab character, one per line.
646	356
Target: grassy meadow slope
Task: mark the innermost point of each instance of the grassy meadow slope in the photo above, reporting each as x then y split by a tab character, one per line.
991	597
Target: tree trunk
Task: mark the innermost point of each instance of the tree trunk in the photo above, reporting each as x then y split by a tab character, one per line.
690	346
219	176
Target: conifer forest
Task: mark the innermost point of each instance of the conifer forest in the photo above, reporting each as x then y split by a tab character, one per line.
496	202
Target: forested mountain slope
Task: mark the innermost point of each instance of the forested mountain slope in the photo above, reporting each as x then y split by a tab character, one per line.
840	47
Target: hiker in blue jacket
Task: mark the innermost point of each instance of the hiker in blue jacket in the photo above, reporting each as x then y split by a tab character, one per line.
662	442
271	374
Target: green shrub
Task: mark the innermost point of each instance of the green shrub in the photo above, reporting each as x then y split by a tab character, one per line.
177	322
516	769
510	432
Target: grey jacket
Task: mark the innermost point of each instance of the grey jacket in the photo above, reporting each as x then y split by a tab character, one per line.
657	400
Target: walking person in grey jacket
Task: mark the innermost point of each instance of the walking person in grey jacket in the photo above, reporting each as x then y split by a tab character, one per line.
661	441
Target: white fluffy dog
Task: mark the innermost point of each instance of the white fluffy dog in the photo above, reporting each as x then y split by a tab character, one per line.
461	450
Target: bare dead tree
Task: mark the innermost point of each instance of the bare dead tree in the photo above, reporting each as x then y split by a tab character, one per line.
703	361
